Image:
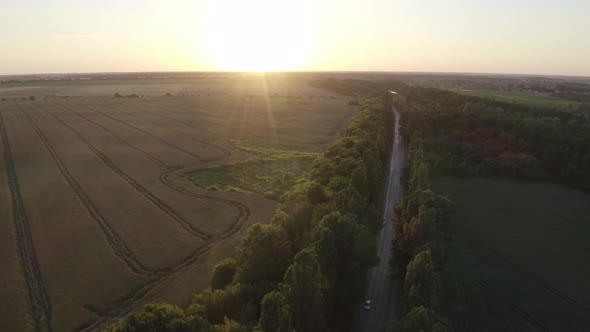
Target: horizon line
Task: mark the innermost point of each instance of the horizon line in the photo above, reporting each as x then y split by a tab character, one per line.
467	73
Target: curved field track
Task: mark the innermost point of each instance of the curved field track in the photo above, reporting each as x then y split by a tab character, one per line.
103	219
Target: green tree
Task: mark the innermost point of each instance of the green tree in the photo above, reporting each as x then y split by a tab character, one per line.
275	315
413	235
223	273
419	177
419	319
264	254
304	284
230	326
219	304
421	286
315	193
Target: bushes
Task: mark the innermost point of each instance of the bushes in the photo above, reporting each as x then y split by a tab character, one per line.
133	95
224	273
161	317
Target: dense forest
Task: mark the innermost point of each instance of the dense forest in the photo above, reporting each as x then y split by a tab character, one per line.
304	270
473	136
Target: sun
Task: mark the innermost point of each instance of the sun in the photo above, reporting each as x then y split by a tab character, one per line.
257	35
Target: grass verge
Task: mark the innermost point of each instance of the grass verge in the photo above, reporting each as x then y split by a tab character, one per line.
270	172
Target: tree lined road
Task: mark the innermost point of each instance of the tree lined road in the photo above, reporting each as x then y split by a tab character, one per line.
380	289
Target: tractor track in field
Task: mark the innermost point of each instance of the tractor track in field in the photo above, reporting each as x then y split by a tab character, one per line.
545	285
115	241
164	207
244	211
525	315
322	141
502	299
41	309
482	246
126	303
174	146
147	154
211	120
226	153
157	276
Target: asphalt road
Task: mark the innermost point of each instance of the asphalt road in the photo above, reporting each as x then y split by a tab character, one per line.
380	289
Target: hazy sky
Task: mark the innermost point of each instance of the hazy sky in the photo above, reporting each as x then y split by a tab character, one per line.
500	36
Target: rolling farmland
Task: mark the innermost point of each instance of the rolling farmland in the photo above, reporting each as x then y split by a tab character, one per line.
98	217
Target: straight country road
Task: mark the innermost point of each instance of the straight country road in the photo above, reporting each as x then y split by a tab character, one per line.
381	290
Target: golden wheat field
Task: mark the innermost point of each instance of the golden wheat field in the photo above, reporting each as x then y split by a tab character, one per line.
97	217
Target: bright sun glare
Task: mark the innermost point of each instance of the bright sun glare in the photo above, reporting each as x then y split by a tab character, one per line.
259	35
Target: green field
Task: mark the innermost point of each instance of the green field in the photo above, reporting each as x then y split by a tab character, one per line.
270	172
524	98
519	256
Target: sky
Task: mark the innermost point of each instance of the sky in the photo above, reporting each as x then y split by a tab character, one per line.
500	36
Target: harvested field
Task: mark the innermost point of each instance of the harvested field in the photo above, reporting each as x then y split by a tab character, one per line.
100	215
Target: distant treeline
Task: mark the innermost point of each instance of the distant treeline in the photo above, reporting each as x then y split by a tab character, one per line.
305	270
